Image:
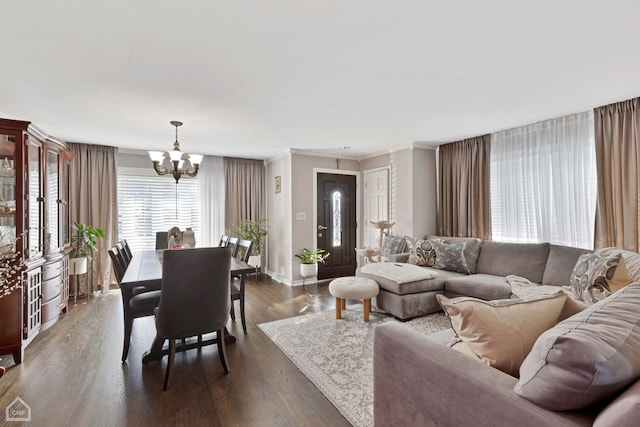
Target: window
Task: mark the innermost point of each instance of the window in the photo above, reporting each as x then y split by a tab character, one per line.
147	203
337	219
543	182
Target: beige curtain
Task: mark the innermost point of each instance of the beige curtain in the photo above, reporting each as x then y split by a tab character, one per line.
617	135
245	190
94	200
463	191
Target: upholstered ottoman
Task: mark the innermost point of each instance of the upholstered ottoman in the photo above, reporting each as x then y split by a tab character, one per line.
351	287
406	290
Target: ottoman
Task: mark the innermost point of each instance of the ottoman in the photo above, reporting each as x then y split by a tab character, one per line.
352	287
406	290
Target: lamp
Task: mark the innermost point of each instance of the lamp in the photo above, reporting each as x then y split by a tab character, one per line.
175	157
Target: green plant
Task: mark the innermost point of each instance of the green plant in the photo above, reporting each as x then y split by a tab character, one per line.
84	239
255	231
307	256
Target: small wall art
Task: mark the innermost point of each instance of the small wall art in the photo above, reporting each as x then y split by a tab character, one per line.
278	183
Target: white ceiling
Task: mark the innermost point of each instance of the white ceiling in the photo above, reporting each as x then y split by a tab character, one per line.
254	78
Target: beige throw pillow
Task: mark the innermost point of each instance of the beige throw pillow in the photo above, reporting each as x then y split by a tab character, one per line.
501	333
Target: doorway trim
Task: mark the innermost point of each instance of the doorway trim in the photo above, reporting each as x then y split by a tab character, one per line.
389	194
316	171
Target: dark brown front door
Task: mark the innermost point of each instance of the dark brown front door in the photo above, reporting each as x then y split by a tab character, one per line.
337	224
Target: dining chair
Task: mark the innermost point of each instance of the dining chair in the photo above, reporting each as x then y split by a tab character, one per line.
122	253
233	244
195	298
127	249
224	240
137	302
243	252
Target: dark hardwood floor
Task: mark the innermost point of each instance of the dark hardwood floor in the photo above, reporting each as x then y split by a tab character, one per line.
72	375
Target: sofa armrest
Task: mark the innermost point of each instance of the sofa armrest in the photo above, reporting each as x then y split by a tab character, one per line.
401	257
419	382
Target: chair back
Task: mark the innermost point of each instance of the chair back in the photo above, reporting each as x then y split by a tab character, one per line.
127	249
243	251
224	240
195	292
233	244
122	254
117	263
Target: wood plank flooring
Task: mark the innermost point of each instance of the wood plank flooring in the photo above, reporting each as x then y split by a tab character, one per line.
72	375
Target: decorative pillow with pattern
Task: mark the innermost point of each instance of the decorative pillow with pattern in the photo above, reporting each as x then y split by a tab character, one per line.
592	275
391	245
422	252
450	256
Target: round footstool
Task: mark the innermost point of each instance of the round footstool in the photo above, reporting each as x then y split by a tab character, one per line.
352	287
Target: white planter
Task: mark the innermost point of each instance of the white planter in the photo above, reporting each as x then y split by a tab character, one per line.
309	270
77	265
255	260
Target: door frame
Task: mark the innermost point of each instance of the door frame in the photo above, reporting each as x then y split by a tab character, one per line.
316	171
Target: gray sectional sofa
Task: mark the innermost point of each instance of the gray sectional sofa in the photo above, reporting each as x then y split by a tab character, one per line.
489	263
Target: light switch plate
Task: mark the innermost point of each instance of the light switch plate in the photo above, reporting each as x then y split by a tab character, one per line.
301	216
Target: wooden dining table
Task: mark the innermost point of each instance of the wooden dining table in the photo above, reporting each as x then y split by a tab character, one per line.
145	270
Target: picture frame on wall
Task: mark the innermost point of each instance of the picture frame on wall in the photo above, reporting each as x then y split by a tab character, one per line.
278	183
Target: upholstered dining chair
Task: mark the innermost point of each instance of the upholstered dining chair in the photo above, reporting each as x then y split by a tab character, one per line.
224	240
138	302
243	252
195	298
123	254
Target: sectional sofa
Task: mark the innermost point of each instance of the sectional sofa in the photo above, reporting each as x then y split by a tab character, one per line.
488	262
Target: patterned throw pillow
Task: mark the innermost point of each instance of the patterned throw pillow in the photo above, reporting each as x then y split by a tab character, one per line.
422	252
391	245
592	275
450	256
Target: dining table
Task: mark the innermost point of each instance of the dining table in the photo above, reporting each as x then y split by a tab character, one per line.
145	273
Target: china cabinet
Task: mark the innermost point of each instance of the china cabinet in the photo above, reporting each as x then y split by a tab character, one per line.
34	231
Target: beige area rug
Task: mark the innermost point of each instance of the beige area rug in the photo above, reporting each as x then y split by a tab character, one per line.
337	355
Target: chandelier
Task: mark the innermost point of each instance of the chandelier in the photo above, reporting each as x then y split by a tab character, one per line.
177	167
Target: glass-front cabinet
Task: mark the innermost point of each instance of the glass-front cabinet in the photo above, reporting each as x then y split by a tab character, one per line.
33	221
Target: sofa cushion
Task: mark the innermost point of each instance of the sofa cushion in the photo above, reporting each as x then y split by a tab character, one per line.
450	256
471	248
401	278
421	252
623	411
587	357
483	286
595	276
560	264
391	245
520	259
501	333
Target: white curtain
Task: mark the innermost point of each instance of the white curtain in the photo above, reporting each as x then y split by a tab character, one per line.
212	188
543	182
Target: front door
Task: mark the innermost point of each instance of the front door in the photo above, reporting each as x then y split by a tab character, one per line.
337	224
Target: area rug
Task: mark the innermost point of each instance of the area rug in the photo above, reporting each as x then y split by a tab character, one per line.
337	355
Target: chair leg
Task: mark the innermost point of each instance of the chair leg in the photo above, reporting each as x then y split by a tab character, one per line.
128	326
172	356
222	350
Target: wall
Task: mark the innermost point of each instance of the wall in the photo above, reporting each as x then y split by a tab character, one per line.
279	248
302	171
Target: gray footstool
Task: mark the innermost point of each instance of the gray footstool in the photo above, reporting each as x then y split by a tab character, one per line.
351	287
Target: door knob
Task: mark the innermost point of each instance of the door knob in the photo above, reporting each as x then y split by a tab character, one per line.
322	227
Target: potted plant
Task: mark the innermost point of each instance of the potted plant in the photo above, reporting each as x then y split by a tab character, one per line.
83	246
309	261
255	231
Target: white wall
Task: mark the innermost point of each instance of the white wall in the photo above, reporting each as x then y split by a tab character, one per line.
279	246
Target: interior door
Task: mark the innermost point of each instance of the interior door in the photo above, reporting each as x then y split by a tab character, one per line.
376	204
336	222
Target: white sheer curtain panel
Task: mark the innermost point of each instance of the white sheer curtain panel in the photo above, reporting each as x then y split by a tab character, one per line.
212	187
543	182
